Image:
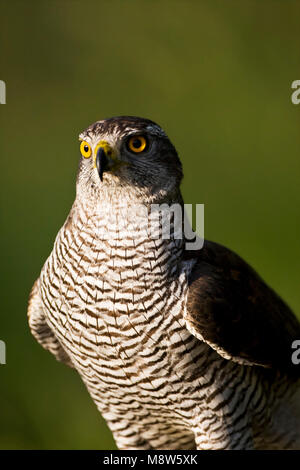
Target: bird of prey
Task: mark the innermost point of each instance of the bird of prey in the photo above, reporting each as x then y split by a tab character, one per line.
178	348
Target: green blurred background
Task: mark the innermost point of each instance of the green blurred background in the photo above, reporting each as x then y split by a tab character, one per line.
217	76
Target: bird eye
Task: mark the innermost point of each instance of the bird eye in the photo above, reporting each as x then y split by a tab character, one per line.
137	144
85	149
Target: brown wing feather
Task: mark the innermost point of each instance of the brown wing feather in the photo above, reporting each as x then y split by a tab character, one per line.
236	313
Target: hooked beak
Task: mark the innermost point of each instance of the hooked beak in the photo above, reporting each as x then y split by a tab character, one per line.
101	162
104	158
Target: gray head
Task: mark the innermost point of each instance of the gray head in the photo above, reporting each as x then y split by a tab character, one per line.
128	156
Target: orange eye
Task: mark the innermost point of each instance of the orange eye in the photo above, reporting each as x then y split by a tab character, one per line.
85	149
137	144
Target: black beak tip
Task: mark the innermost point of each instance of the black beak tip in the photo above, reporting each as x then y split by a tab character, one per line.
101	162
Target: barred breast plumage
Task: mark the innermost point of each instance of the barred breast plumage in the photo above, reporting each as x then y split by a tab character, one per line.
134	313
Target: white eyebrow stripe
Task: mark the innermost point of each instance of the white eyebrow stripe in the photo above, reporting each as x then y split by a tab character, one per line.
115	132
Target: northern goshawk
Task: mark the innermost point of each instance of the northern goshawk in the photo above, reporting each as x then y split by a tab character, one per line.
178	348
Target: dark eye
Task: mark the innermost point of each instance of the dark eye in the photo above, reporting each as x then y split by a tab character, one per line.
137	144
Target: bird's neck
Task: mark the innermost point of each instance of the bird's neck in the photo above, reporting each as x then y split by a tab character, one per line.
128	235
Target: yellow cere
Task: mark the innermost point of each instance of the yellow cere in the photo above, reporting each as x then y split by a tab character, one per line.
107	149
85	149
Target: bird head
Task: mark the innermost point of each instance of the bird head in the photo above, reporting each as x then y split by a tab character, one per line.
130	156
